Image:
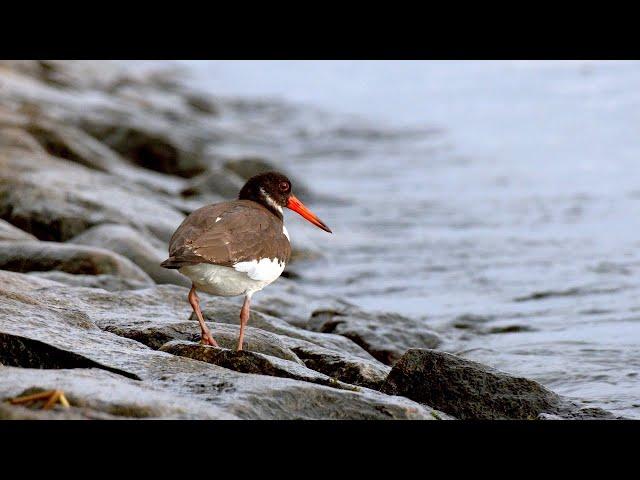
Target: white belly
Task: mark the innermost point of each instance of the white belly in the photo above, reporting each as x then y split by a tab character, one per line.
241	279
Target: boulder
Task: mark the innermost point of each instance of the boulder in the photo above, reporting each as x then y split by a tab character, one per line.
246	361
68	142
340	365
9	232
57	200
226	311
149	127
112	283
97	394
146	252
386	336
33	255
255	340
216	181
470	390
66	318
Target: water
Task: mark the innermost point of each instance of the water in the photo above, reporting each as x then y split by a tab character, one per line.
497	201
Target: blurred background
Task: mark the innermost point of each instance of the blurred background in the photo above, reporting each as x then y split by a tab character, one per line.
495	202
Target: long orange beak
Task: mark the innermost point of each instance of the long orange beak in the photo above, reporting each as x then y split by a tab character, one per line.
297	206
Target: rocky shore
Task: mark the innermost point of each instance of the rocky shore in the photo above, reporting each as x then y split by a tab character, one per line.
98	166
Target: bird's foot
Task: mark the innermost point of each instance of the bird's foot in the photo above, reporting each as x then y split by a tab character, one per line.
207	339
50	397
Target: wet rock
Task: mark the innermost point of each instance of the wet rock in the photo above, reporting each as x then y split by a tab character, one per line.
57	200
386	336
17	139
149	148
228	312
251	362
33	255
255	340
470	390
201	103
111	283
96	394
140	249
151	128
65	318
247	167
216	181
9	232
340	365
67	142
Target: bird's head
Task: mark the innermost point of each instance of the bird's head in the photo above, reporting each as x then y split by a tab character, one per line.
273	190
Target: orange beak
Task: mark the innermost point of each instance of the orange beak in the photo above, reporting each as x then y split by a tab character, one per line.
297	206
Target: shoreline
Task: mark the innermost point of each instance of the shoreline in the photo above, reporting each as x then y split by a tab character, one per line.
98	167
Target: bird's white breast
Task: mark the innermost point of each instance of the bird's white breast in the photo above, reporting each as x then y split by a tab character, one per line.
241	279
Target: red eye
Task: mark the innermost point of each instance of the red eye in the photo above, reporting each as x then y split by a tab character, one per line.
284	186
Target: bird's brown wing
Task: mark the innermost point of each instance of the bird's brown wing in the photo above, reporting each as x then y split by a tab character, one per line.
245	231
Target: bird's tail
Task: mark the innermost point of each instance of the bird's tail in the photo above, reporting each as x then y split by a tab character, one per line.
171	262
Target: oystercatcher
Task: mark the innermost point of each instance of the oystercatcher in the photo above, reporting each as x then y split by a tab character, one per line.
238	247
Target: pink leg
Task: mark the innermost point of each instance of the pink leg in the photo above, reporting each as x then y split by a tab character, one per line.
206	337
244	318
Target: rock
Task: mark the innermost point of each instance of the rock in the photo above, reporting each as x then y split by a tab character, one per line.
111	283
228	312
66	318
216	181
12	138
335	363
251	362
9	232
96	394
470	390
33	255
153	148
57	200
138	248
386	336
73	144
151	128
201	103
341	365
255	340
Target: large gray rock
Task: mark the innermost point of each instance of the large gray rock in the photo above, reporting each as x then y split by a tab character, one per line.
335	363
216	181
33	255
140	249
97	394
56	200
341	365
386	336
157	335
112	283
247	361
9	232
68	142
227	311
470	390
150	127
65	318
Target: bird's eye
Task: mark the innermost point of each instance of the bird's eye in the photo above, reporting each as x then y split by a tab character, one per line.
284	186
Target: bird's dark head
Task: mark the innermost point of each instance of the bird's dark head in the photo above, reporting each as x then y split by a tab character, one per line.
273	190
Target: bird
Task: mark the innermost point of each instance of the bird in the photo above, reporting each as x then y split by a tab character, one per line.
237	247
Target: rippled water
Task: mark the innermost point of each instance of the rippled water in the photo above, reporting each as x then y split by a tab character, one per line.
498	201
